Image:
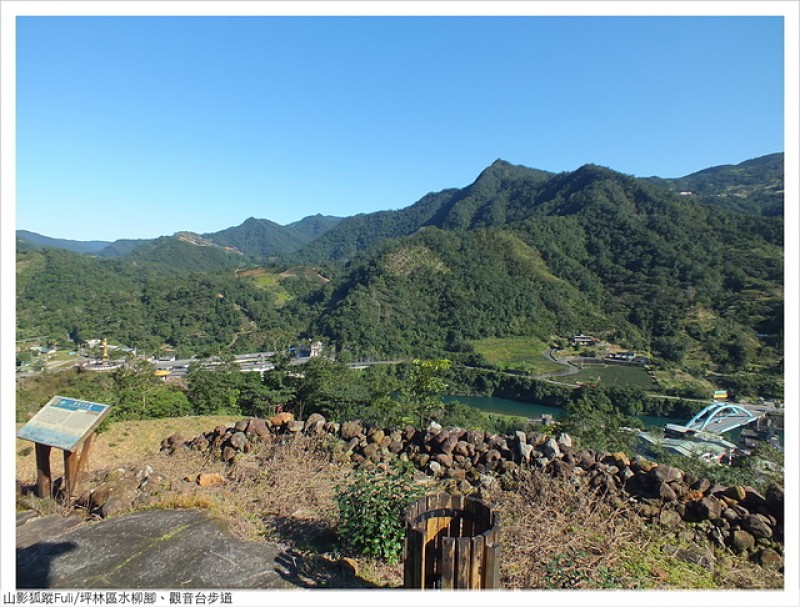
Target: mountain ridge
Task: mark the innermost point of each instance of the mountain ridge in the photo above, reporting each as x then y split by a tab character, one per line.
263	238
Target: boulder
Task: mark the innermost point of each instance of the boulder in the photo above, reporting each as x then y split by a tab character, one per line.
351	429
774	499
315	424
667	493
493	455
295	426
445	460
702	485
376	435
708	508
551	450
564	440
524	452
238	440
757	526
669	518
667	474
258	427
735	492
210	479
742	541
769	558
371	450
560	469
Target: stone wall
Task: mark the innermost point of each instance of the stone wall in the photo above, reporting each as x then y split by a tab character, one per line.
736	517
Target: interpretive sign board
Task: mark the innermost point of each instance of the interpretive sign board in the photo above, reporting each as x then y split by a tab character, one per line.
64	422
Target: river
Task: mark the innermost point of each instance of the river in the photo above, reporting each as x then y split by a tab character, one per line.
504	406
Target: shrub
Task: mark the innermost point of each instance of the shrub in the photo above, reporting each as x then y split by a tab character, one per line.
372	512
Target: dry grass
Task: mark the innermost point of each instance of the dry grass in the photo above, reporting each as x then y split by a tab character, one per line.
556	535
121	444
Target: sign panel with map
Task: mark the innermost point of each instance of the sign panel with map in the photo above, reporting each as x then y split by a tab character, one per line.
64	422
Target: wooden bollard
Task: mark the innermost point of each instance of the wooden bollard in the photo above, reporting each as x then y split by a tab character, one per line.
452	542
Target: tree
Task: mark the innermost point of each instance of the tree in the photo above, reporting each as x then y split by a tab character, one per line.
215	390
425	385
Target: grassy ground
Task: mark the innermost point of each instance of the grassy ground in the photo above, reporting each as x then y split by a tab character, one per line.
615	375
516	354
555	535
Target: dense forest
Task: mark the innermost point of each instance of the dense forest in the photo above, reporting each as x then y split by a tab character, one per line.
694	281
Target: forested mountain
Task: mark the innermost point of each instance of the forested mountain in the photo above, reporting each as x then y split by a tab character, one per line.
146	305
123	246
262	239
519	252
188	252
500	194
754	186
256	239
79	246
600	251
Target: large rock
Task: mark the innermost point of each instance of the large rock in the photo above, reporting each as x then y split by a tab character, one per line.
444	459
351	429
281	419
667	493
258	427
375	435
315	424
371	450
669	518
667	474
757	526
742	541
238	440
774	499
769	558
564	440
295	426
560	469
524	451
551	450
708	508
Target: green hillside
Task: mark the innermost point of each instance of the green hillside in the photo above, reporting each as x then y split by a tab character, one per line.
518	253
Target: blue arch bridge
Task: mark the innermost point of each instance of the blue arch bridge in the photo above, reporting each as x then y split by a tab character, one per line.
719	418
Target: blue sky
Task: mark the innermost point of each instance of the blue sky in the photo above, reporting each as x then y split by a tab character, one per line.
135	127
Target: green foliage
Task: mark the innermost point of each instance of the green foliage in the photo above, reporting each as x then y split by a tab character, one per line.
215	390
596	422
133	392
372	512
425	386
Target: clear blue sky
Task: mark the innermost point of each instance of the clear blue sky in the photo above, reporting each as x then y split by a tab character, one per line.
135	127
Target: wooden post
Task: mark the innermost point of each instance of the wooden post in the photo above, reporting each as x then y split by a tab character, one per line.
44	480
74	463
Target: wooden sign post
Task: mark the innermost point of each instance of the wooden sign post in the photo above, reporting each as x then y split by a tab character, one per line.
67	424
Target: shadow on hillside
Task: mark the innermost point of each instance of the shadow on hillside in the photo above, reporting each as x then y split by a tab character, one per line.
306	565
34	563
315	571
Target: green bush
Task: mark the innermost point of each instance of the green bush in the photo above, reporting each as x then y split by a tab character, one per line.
372	512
